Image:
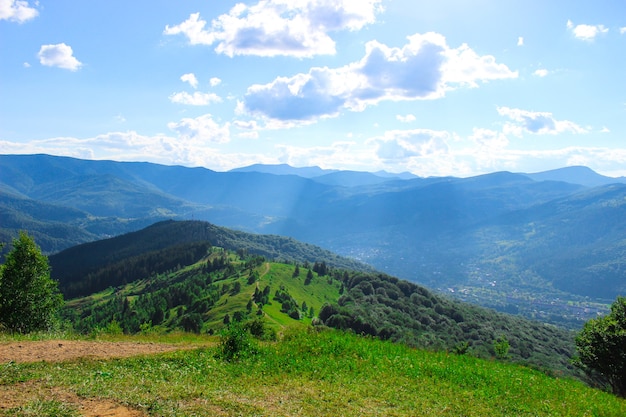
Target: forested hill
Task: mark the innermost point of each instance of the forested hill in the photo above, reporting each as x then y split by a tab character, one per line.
201	288
94	266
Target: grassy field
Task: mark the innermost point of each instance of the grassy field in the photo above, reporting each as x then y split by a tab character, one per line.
307	373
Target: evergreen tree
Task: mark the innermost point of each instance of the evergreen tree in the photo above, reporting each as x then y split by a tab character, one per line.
29	298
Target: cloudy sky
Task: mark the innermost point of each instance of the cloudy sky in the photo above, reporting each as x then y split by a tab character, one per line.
446	87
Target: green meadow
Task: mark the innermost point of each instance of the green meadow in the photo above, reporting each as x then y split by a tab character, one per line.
309	372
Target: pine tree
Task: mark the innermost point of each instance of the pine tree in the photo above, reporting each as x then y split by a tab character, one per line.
29	298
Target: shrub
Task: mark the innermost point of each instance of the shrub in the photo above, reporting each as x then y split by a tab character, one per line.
236	343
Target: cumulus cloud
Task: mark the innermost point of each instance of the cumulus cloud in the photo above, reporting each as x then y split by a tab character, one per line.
586	32
622	30
278	27
195	99
405	144
17	11
190	78
425	68
539	123
214	81
520	41
541	72
59	55
202	129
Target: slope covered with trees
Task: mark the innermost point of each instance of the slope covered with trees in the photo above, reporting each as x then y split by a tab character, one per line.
214	286
94	266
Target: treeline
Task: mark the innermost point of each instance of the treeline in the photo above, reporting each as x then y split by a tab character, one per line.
391	309
134	268
171	300
71	266
186	298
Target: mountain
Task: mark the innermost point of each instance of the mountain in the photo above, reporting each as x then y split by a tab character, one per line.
284	169
576	175
328	176
516	242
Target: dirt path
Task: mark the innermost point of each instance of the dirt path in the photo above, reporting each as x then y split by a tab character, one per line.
64	350
21	394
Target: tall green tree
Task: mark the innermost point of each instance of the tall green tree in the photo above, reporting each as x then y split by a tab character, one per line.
29	298
601	346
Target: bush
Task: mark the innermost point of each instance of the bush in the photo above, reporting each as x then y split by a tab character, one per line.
236	343
601	346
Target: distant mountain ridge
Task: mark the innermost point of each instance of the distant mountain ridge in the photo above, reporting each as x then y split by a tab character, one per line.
577	175
494	239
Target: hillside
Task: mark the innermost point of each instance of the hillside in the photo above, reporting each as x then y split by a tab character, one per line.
94	266
198	287
307	373
532	244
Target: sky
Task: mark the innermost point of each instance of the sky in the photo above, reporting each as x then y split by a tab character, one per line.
435	88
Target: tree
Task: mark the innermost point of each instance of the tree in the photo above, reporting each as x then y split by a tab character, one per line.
501	347
601	346
29	298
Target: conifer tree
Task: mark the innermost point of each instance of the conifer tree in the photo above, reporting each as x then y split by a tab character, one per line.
29	298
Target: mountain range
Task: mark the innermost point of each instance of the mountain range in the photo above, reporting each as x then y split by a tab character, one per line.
548	245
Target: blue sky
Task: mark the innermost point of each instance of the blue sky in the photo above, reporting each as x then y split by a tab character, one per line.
447	87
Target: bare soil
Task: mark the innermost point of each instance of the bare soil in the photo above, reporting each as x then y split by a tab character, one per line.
64	350
21	394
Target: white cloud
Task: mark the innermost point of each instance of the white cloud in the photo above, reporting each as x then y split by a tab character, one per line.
338	155
541	72
59	55
249	128
425	154
214	81
520	41
406	144
278	27
17	11
202	129
405	119
487	138
190	78
539	123
586	32
195	99
622	30
425	68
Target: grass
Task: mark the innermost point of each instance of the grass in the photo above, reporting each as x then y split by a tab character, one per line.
324	373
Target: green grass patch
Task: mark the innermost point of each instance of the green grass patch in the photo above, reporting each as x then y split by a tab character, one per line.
325	373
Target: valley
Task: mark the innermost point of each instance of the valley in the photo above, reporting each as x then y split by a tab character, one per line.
533	244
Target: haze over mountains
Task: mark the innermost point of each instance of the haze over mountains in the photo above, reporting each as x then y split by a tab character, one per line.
549	245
